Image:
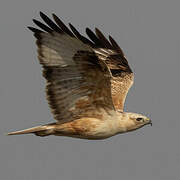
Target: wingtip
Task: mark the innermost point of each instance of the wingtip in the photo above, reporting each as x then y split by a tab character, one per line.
96	29
87	29
53	15
31	28
35	21
41	13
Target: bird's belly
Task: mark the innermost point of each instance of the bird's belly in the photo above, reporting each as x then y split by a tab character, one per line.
87	129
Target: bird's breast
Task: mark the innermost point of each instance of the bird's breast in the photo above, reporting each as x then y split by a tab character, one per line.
88	128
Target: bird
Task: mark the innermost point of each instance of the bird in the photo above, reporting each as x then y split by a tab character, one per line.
88	79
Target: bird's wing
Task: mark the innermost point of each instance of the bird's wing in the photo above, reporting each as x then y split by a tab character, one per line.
78	84
109	52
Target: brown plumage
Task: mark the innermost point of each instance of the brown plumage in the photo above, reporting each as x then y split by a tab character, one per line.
87	82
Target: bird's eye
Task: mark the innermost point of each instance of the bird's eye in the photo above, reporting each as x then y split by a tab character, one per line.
139	119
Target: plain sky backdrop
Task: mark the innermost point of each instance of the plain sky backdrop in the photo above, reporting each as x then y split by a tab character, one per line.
149	33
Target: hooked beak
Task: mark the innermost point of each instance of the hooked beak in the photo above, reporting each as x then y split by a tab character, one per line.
150	122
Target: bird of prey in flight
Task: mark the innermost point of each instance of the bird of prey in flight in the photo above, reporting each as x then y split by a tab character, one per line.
87	82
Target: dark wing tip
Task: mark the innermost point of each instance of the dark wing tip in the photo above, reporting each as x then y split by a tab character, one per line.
93	37
74	30
96	39
103	39
62	25
79	36
34	29
41	13
115	45
50	23
54	16
42	26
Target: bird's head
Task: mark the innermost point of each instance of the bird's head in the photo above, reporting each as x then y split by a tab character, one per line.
134	121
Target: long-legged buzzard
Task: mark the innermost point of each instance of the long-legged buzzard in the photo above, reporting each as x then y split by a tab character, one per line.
87	83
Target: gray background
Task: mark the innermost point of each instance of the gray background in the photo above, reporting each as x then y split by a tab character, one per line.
149	34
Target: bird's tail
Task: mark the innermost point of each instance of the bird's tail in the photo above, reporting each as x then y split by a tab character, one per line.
43	130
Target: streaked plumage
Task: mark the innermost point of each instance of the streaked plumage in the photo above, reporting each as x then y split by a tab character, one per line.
87	82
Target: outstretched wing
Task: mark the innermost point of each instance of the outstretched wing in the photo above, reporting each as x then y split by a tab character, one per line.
109	52
78	84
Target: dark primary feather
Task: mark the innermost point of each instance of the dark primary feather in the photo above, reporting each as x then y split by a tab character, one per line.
115	45
34	30
62	25
93	37
79	36
102	38
42	26
97	40
51	24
